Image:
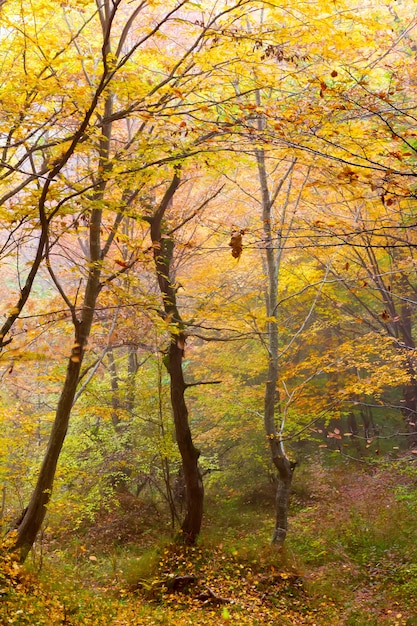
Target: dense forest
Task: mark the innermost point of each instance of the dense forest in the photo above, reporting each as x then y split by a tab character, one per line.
208	234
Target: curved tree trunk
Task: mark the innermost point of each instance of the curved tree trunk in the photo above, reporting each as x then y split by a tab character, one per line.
163	252
34	514
189	454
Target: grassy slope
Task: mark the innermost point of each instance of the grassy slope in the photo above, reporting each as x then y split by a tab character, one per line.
351	558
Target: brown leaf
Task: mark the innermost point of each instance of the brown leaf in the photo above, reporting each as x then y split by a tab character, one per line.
236	243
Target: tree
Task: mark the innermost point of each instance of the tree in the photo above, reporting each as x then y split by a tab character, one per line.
99	194
275	234
107	139
163	250
92	123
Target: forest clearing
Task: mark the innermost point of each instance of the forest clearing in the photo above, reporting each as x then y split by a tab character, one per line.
208	304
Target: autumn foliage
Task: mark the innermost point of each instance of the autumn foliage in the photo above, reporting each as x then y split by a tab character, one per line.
207	242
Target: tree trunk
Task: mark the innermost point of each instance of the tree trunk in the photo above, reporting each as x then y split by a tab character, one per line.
132	370
191	525
409	409
285	474
272	265
163	248
115	391
121	427
34	515
37	508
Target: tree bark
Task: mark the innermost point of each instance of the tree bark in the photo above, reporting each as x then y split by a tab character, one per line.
37	508
272	264
35	513
163	248
189	454
285	473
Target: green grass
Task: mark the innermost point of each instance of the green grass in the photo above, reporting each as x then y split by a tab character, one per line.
349	560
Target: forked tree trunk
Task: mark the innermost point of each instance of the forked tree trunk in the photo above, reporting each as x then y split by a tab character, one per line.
163	247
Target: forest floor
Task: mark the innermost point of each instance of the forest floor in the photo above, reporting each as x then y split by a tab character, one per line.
350	559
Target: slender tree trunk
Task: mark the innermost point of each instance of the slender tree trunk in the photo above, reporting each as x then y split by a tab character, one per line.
121	427
278	455
32	519
285	473
410	391
37	508
272	264
132	370
115	391
163	253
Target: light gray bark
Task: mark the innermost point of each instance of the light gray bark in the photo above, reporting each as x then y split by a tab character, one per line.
273	241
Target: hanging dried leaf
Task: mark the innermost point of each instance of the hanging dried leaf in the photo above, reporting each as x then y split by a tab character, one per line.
236	243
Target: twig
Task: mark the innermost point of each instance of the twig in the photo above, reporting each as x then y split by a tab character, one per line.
203	382
212	597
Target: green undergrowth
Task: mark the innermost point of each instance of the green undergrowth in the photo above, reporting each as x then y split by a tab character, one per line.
350	559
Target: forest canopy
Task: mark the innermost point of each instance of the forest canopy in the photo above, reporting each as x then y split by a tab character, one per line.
207	242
